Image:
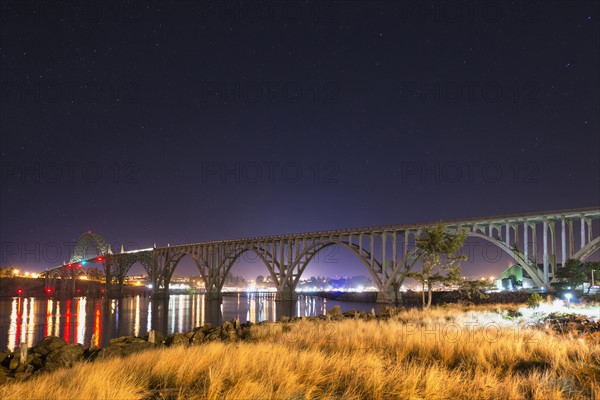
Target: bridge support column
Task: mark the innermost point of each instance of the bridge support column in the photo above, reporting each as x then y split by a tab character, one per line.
107	286
563	241
545	254
390	295
214	293
582	233
286	293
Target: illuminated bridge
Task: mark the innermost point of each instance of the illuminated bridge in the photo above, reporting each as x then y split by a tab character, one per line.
387	252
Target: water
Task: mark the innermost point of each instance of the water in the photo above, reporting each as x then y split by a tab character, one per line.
79	319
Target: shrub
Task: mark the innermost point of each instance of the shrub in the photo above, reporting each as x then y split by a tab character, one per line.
534	300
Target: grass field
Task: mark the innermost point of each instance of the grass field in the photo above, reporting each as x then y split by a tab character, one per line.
437	354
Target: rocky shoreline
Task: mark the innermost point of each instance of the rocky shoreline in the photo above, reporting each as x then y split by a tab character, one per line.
53	352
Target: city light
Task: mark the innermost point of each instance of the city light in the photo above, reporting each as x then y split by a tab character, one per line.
568	297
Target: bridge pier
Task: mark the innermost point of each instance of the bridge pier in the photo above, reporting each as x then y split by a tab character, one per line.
213	294
389	296
286	293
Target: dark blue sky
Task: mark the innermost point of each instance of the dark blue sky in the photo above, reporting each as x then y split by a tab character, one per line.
177	122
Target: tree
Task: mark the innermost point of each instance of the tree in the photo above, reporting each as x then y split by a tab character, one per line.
534	300
573	274
437	248
475	289
260	279
593	270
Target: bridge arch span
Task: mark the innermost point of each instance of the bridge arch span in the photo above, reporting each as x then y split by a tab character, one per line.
514	254
173	259
79	251
266	257
310	252
585	252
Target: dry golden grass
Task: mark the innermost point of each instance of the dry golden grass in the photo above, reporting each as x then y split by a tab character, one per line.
437	354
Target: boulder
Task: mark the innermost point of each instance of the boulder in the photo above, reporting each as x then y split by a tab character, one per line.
335	311
158	337
177	339
136	346
3	376
13	364
121	339
65	356
227	326
109	351
197	337
48	345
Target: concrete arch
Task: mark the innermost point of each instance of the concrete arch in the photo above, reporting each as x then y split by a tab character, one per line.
517	256
311	251
586	251
125	262
267	258
176	258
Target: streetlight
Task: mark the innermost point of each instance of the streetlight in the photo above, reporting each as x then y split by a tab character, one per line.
568	297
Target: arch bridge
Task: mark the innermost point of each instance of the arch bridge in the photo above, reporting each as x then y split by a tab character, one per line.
387	252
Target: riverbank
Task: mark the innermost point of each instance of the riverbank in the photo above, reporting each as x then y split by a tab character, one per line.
35	287
446	352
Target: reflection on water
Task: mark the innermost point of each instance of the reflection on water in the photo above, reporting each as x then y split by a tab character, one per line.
96	321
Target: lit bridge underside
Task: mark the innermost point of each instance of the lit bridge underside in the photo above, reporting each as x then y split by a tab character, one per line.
387	252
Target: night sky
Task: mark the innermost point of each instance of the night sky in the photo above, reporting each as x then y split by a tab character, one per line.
178	122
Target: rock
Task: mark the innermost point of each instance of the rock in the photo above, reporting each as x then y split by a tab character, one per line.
109	351
136	346
284	319
227	326
121	339
158	337
335	311
207	327
48	345
387	311
13	364
3	376
65	356
214	334
176	339
3	357
37	362
197	337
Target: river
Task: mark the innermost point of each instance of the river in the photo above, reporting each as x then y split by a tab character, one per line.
81	319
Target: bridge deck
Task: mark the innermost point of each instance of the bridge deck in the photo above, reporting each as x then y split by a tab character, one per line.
497	219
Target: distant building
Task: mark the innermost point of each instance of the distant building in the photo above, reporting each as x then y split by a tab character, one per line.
515	277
